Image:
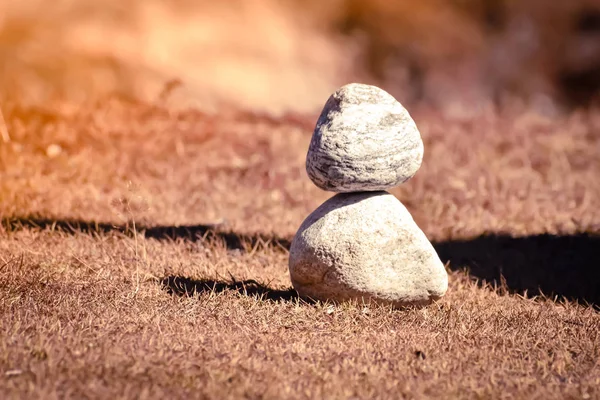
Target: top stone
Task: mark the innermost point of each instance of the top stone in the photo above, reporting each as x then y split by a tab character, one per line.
364	140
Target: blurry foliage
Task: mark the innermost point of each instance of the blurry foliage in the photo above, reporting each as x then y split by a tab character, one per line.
437	52
498	48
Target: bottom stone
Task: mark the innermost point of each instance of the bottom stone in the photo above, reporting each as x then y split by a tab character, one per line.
365	246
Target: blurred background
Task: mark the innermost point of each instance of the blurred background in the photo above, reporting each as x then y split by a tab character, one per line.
277	56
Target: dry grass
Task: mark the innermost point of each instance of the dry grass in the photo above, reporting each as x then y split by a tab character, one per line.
75	323
143	244
140	205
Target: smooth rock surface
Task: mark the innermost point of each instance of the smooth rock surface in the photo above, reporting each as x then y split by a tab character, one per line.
364	140
365	246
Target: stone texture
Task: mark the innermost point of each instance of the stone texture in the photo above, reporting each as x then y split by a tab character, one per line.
364	140
365	246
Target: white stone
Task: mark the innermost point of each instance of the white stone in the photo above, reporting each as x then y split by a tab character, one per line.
364	140
365	246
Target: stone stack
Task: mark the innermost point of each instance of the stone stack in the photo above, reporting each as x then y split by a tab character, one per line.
363	244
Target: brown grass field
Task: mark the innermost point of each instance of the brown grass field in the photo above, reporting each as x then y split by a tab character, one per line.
144	246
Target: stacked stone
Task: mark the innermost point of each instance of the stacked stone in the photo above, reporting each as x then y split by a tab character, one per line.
363	244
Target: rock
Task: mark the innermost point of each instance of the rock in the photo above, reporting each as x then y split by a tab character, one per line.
53	150
364	140
365	246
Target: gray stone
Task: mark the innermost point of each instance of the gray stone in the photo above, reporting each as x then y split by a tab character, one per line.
364	140
365	246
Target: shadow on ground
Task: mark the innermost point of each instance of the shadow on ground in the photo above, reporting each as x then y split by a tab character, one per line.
188	287
232	240
567	266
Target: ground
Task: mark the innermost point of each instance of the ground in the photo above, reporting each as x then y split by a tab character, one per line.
143	254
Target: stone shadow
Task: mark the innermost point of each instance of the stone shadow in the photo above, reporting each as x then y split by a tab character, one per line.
183	286
565	266
232	240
